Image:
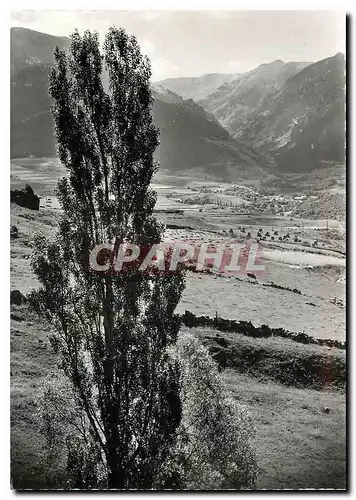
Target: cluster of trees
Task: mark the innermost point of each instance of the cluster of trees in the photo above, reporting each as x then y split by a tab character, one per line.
136	406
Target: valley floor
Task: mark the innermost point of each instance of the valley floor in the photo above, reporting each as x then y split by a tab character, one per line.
300	431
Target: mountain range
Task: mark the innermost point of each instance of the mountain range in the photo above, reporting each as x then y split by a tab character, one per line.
30	47
234	101
279	117
293	113
191	139
199	87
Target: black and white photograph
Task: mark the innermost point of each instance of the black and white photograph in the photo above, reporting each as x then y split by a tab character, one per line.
178	250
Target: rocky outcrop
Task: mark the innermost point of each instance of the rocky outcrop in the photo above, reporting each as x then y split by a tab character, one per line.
17	298
25	198
14	232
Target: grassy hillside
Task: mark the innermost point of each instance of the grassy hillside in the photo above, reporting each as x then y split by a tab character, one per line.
295	392
300	433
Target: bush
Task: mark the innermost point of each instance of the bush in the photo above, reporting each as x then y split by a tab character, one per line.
213	449
70	456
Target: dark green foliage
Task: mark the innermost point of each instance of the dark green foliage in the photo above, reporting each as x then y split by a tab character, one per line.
112	332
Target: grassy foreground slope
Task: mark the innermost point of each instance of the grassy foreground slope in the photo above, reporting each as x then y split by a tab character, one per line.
298	443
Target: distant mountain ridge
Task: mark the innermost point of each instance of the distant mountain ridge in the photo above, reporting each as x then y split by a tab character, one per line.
197	87
190	137
279	117
234	101
29	47
293	113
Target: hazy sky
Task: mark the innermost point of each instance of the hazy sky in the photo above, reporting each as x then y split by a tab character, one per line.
188	43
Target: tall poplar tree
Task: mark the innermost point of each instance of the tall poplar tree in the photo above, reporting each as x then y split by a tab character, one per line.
112	332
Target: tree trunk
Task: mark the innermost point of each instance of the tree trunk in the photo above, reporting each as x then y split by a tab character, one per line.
116	473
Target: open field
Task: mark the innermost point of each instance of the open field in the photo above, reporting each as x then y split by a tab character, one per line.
312	311
41	173
250	301
32	361
316	270
298	443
